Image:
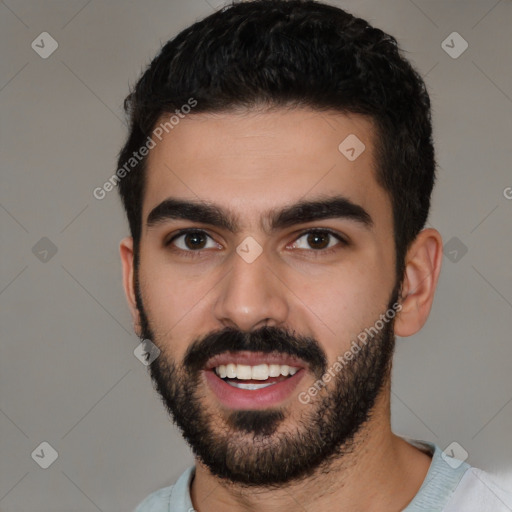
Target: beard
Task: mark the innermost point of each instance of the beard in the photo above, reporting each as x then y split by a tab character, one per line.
258	448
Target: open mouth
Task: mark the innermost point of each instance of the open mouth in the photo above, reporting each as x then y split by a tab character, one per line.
256	377
248	380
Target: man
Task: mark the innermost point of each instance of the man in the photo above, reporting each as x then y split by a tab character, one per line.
277	180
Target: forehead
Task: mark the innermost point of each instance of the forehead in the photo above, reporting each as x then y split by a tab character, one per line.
250	162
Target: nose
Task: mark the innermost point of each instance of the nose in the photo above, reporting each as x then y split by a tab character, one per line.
251	296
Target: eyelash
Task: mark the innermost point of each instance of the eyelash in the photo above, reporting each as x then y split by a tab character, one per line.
317	252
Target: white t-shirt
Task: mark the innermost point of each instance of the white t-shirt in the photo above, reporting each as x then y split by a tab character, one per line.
449	486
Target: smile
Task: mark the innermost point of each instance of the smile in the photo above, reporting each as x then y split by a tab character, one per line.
238	384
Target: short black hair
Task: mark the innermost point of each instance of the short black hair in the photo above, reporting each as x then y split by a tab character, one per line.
293	53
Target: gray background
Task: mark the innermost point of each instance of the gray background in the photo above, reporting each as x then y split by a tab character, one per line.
68	373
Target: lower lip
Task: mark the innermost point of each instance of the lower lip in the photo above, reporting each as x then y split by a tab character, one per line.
236	398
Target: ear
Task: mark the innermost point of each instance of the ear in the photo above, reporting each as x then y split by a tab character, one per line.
423	266
126	251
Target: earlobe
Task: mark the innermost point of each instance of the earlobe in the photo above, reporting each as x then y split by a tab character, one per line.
126	252
423	266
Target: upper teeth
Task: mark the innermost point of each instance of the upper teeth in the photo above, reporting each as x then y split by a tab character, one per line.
258	372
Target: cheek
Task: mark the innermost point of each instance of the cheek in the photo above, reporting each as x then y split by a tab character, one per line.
174	300
340	304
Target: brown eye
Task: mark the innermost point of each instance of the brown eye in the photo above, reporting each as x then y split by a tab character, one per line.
319	240
195	240
192	241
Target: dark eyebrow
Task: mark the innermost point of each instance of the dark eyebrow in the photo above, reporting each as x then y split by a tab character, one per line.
312	210
297	213
196	211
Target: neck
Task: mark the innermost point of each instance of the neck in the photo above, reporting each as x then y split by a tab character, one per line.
381	472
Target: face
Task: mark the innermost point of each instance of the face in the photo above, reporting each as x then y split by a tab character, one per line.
265	255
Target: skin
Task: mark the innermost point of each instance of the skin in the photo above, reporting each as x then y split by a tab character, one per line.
248	163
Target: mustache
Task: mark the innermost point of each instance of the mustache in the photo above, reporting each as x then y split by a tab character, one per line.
266	339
